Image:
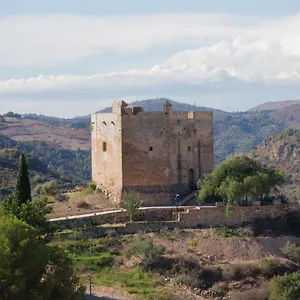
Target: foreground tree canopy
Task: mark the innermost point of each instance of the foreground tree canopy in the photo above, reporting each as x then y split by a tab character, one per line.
29	267
240	178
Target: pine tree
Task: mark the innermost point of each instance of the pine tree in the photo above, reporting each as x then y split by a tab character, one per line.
23	190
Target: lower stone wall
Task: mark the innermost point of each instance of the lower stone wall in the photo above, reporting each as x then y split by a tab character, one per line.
155	220
142	215
216	216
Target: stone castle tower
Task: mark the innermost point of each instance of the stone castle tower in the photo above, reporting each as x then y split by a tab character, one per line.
158	154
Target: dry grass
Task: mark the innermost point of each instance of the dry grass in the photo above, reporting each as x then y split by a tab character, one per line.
33	130
81	204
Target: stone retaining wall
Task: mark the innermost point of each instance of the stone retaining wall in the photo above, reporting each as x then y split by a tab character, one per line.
150	215
216	216
155	220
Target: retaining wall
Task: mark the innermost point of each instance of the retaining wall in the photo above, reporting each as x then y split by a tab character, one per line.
150	215
155	220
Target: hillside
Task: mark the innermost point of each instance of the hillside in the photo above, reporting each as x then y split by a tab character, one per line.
158	104
56	132
283	151
64	144
9	167
275	105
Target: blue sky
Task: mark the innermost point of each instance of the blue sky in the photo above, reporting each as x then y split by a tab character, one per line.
73	57
120	7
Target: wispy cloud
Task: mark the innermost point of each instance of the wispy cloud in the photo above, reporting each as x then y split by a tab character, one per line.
34	40
223	53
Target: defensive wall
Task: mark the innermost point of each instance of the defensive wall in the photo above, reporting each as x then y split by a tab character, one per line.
156	219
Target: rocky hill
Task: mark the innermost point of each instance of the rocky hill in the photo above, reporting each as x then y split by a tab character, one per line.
158	104
275	105
283	151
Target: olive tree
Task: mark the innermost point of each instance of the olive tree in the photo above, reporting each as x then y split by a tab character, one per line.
240	178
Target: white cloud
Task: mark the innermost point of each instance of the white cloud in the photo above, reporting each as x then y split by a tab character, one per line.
246	60
223	52
45	40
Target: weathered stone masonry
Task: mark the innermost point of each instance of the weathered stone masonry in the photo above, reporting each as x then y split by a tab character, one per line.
158	154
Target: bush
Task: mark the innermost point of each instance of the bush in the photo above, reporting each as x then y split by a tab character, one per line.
61	197
241	271
191	280
292	252
258	293
272	267
204	277
48	188
82	204
92	187
225	231
130	202
220	288
285	287
145	250
193	243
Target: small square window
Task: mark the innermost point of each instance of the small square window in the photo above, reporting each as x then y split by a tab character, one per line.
104	147
150	148
189	148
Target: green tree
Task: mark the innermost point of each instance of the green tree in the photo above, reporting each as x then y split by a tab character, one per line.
131	202
31	269
32	212
239	178
23	190
285	287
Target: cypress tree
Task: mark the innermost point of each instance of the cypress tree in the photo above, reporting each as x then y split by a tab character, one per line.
23	190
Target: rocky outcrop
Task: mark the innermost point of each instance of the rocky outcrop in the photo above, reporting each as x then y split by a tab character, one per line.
283	151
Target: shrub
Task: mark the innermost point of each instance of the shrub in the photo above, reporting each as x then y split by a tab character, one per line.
292	252
285	287
48	188
82	204
225	231
145	250
92	186
241	271
256	293
61	197
273	267
193	242
130	202
191	280
220	288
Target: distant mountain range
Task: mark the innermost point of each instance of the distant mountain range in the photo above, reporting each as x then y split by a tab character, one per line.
157	105
275	105
65	143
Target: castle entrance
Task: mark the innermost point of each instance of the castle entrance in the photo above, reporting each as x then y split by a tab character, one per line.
192	181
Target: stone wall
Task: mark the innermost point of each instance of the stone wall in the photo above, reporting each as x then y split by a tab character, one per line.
167	219
170	150
216	216
182	217
148	215
107	152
